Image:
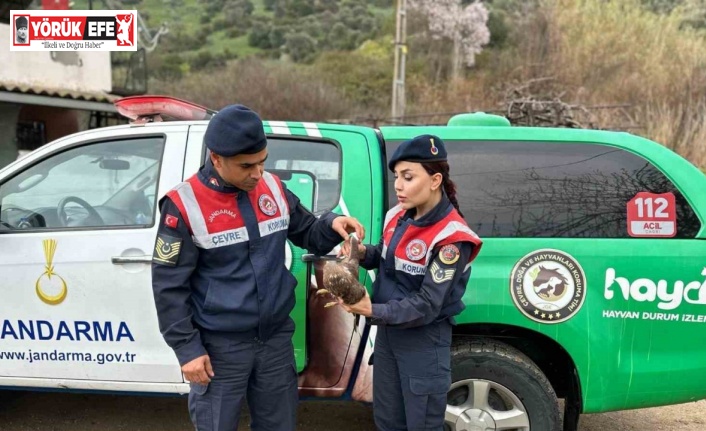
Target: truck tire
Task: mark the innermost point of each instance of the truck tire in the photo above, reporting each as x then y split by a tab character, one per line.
495	386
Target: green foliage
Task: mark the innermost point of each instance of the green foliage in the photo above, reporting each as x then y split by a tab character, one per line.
277	36
259	35
179	40
662	6
213	7
277	91
300	46
238	12
299	8
364	76
313	26
205	60
167	67
691	12
498	25
219	24
302	29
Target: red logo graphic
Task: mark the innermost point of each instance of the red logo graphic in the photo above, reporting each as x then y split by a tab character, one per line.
171	221
126	37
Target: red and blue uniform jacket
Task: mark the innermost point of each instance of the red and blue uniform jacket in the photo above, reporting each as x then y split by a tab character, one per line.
423	266
219	259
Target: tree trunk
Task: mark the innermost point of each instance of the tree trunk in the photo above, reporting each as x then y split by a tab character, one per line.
456	58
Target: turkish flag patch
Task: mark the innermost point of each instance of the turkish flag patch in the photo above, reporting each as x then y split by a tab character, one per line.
171	221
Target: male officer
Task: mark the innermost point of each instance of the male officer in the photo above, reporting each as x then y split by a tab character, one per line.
221	288
21	26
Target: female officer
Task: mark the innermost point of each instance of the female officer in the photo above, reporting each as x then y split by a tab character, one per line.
423	262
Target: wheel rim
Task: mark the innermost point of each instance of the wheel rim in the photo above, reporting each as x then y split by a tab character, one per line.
482	405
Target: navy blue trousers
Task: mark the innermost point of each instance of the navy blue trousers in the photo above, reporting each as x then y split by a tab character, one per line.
411	376
264	373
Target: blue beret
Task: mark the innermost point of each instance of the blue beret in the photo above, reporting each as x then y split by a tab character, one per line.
20	22
235	130
423	148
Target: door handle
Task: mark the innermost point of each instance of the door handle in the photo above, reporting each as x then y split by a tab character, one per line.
120	260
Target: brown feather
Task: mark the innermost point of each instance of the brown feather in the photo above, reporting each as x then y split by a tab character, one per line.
341	277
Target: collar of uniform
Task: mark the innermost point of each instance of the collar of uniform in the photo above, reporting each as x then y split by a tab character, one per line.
441	210
210	178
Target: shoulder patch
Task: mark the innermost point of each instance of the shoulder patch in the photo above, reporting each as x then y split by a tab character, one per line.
439	274
166	250
449	254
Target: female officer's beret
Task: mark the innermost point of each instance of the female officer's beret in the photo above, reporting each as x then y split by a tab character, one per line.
235	130
423	148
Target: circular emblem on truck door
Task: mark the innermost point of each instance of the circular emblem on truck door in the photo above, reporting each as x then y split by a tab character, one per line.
548	286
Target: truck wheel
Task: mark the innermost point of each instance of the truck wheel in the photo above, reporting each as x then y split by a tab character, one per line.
496	387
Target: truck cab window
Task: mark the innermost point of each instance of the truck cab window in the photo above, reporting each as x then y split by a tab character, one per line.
105	184
543	189
320	161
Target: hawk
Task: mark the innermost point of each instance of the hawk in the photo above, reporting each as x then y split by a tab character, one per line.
341	278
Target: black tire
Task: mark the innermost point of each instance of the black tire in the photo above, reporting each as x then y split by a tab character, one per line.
500	364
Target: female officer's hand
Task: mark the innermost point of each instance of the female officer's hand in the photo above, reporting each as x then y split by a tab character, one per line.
345	249
363	307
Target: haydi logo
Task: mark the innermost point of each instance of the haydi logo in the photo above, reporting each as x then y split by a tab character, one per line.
67	30
646	290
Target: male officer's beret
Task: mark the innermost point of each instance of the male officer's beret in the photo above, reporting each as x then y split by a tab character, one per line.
21	22
235	130
423	148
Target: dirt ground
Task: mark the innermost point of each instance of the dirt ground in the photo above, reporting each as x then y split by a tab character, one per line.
37	411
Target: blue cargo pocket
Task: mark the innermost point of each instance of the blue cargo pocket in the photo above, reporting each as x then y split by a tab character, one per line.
427	405
200	409
220	298
198	389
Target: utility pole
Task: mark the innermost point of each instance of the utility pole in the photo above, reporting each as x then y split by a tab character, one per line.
398	96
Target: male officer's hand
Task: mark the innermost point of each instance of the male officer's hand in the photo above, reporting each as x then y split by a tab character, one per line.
347	225
198	370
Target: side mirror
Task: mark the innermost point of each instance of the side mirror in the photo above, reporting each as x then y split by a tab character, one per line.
114	164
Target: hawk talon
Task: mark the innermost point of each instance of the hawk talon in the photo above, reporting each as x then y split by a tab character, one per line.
322	291
330	304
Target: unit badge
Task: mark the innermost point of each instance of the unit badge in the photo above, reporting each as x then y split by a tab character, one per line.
267	205
449	254
416	249
166	250
434	150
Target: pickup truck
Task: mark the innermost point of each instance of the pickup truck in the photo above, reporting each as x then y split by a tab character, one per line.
591	285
